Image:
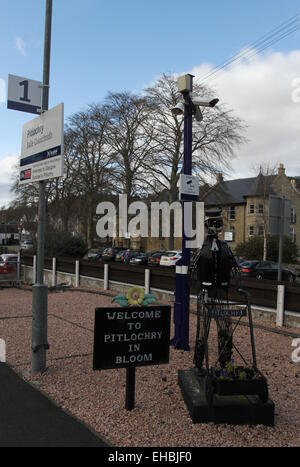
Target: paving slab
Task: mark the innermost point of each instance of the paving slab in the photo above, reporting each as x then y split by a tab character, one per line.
29	419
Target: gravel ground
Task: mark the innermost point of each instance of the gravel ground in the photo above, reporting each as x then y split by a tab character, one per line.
160	418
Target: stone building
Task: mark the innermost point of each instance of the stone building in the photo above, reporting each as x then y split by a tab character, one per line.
9	234
245	204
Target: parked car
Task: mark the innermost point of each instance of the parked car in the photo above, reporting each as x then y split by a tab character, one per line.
266	270
240	260
138	259
8	264
26	245
130	254
154	259
170	258
95	254
109	254
120	256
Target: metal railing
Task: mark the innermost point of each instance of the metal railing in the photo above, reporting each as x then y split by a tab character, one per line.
262	293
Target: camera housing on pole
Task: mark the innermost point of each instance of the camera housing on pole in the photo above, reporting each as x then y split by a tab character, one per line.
189	107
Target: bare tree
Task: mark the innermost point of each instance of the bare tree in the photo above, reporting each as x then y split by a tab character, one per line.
64	203
91	159
129	143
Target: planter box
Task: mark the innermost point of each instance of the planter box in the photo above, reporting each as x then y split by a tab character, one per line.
226	387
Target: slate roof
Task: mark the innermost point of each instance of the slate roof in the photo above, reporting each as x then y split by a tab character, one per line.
261	186
228	192
233	192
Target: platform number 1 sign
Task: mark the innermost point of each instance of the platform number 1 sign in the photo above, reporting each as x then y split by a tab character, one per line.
24	95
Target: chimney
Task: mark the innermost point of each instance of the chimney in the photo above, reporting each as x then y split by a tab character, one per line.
220	177
281	170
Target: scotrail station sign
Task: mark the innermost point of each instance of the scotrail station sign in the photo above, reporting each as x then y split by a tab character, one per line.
42	147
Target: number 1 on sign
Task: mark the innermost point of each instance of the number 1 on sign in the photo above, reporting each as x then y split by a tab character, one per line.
25	98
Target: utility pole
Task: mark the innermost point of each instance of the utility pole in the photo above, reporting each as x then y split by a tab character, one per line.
182	292
40	290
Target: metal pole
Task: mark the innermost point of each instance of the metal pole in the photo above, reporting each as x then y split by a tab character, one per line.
182	293
40	290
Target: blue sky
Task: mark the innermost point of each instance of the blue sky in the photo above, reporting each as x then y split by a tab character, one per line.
100	46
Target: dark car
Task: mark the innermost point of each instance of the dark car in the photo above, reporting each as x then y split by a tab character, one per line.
95	254
154	259
265	270
120	256
138	259
8	264
109	254
129	254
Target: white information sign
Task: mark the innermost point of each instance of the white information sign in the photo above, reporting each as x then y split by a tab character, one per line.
42	147
189	188
228	237
24	94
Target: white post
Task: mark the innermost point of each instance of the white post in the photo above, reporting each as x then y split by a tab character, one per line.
77	273
53	272
2	351
147	281
19	267
106	277
280	306
34	271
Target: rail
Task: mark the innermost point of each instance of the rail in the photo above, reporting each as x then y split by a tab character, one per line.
262	293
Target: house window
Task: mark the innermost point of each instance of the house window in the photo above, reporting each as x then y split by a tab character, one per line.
232	230
261	209
293	234
232	213
293	216
251	231
251	209
260	230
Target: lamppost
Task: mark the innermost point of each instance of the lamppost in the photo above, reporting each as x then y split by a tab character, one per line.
190	107
40	290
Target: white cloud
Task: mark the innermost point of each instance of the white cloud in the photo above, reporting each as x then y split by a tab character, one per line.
7	164
2	91
263	91
21	46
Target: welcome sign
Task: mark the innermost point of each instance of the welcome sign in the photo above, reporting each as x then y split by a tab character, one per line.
131	337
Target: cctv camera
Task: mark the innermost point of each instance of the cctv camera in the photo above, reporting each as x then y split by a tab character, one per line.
179	109
198	114
204	103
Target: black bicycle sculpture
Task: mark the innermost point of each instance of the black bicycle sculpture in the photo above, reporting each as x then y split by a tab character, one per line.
213	268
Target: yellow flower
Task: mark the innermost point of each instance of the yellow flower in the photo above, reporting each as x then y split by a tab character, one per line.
135	296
